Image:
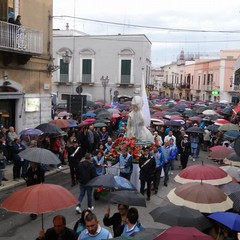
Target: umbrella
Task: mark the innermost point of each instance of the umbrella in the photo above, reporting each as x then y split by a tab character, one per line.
49	128
130	198
230	187
158	114
105	114
173	215
221	122
99	125
206	173
39	155
220	153
89	120
148	233
64	114
229	126
228	219
183	233
227	111
197	119
116	115
235	197
111	181
209	112
236	146
232	171
236	110
31	132
61	123
195	130
73	123
217	147
233	156
172	123
89	114
39	199
89	103
84	124
213	128
231	135
113	110
201	196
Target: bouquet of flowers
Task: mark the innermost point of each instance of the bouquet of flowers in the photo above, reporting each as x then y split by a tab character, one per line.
129	143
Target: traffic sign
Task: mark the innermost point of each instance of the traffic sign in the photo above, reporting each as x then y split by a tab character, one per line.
215	92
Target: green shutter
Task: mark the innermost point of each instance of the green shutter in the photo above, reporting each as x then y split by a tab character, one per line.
64	71
87	66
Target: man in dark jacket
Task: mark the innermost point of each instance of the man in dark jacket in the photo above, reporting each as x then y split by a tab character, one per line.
85	172
58	231
74	157
147	167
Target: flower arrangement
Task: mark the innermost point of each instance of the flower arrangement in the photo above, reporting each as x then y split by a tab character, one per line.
129	143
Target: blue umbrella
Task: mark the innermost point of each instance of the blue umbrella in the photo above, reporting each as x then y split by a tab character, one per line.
73	123
229	219
89	114
231	135
213	128
31	131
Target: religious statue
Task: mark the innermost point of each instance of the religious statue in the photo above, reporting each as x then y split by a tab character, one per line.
136	126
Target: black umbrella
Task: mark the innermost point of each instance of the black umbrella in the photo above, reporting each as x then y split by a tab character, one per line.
49	128
130	198
195	130
39	155
213	128
233	157
230	187
111	181
235	197
237	146
174	215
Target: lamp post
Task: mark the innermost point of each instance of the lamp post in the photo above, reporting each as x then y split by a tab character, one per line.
104	81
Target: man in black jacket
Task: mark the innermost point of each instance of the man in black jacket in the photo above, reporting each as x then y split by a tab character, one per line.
85	172
58	231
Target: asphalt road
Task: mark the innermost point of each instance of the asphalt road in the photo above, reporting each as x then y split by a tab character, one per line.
14	226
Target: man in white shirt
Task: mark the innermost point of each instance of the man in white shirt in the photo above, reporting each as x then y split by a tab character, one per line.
169	136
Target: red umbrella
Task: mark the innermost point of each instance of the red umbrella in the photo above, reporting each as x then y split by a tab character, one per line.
183	233
206	173
221	121
115	115
61	123
197	119
218	147
89	120
158	114
236	110
220	153
39	199
201	196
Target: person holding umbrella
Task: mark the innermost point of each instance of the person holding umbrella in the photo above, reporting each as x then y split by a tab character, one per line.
58	231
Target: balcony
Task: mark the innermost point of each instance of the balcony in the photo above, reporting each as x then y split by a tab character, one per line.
208	88
171	86
18	39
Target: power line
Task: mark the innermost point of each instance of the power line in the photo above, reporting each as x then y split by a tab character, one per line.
149	27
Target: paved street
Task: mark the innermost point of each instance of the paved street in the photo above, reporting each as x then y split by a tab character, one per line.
19	226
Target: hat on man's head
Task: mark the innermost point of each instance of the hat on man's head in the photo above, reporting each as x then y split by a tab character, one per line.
75	141
185	135
145	148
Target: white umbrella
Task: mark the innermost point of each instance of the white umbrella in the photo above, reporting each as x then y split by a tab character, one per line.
209	112
232	171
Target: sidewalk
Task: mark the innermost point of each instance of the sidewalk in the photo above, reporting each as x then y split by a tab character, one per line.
11	183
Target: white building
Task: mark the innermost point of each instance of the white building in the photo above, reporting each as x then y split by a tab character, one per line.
124	59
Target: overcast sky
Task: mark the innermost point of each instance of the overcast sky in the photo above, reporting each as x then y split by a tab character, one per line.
160	21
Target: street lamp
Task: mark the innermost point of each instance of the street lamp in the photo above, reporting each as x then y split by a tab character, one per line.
104	81
66	57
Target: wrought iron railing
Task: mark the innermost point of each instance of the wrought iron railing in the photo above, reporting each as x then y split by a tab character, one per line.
20	38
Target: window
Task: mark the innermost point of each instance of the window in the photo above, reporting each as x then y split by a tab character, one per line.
64	71
86	70
204	79
6	6
125	71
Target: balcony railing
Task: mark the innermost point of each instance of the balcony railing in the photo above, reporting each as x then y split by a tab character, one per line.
208	88
86	78
125	79
18	38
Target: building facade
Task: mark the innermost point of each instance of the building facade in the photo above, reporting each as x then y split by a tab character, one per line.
25	63
122	59
203	79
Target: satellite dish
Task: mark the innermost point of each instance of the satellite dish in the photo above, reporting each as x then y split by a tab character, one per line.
237	146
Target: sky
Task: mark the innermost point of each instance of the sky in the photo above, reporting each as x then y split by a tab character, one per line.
194	26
